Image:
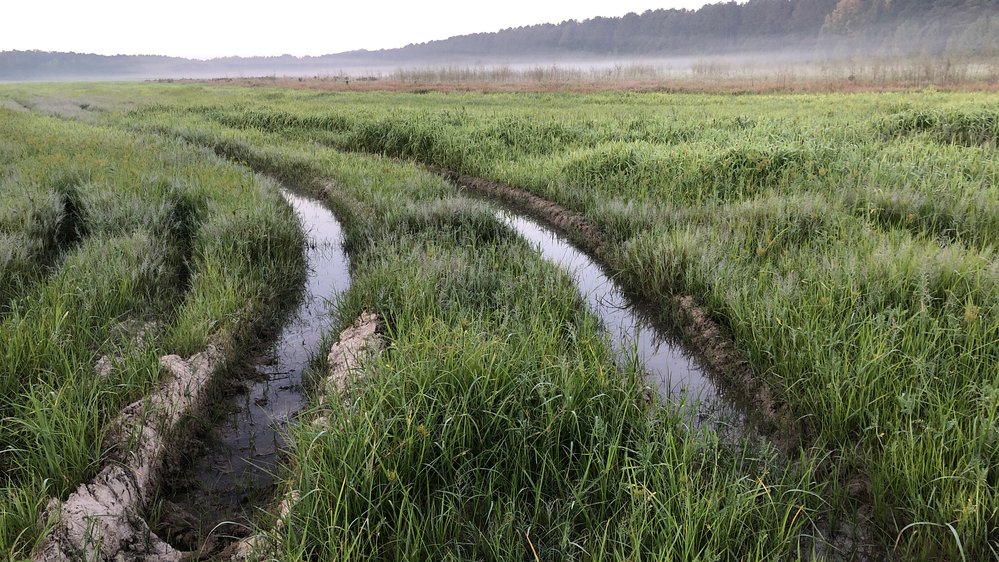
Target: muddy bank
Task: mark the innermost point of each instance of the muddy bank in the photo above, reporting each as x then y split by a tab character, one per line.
103	519
706	338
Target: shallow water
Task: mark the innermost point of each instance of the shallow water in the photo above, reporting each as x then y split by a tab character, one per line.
242	455
633	334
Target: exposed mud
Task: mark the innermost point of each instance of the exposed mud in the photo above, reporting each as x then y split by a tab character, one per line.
356	345
103	519
720	351
708	339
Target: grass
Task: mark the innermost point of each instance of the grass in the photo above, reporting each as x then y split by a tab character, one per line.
116	231
498	425
846	241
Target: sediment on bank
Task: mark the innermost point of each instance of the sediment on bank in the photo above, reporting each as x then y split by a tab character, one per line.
103	519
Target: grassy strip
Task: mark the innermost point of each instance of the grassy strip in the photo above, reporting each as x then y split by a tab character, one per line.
498	425
172	236
947	126
857	271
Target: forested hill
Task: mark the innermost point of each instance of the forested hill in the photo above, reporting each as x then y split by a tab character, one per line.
818	27
804	29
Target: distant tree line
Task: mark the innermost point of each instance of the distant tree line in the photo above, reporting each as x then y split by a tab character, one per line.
27	65
873	27
904	27
809	29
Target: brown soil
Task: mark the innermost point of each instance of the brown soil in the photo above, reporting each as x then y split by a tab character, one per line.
102	519
708	338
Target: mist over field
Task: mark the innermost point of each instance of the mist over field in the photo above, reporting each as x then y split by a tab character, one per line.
718	40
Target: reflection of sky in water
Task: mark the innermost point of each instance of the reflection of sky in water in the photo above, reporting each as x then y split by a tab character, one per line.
668	367
243	457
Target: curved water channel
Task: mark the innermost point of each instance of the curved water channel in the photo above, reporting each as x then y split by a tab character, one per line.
676	374
238	468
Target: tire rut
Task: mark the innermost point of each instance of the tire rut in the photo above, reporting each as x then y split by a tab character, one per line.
708	339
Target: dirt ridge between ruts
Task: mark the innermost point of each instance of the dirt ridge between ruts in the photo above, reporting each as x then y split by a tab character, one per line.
356	344
708	338
103	519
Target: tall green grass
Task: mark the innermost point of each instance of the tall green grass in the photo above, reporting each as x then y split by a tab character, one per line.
950	126
497	425
118	236
846	241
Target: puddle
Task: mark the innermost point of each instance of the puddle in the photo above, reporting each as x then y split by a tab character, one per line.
676	374
243	447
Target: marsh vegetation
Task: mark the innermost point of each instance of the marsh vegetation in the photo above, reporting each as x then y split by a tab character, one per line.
845	245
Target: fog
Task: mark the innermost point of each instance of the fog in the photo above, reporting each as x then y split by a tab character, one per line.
794	63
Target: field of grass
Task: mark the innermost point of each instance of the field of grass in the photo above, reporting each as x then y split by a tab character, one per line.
116	246
846	242
497	425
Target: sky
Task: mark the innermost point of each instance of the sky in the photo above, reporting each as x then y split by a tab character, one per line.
215	28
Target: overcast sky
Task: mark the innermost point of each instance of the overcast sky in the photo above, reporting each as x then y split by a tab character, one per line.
213	28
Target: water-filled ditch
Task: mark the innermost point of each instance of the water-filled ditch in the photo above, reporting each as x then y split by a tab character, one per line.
237	468
676	374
